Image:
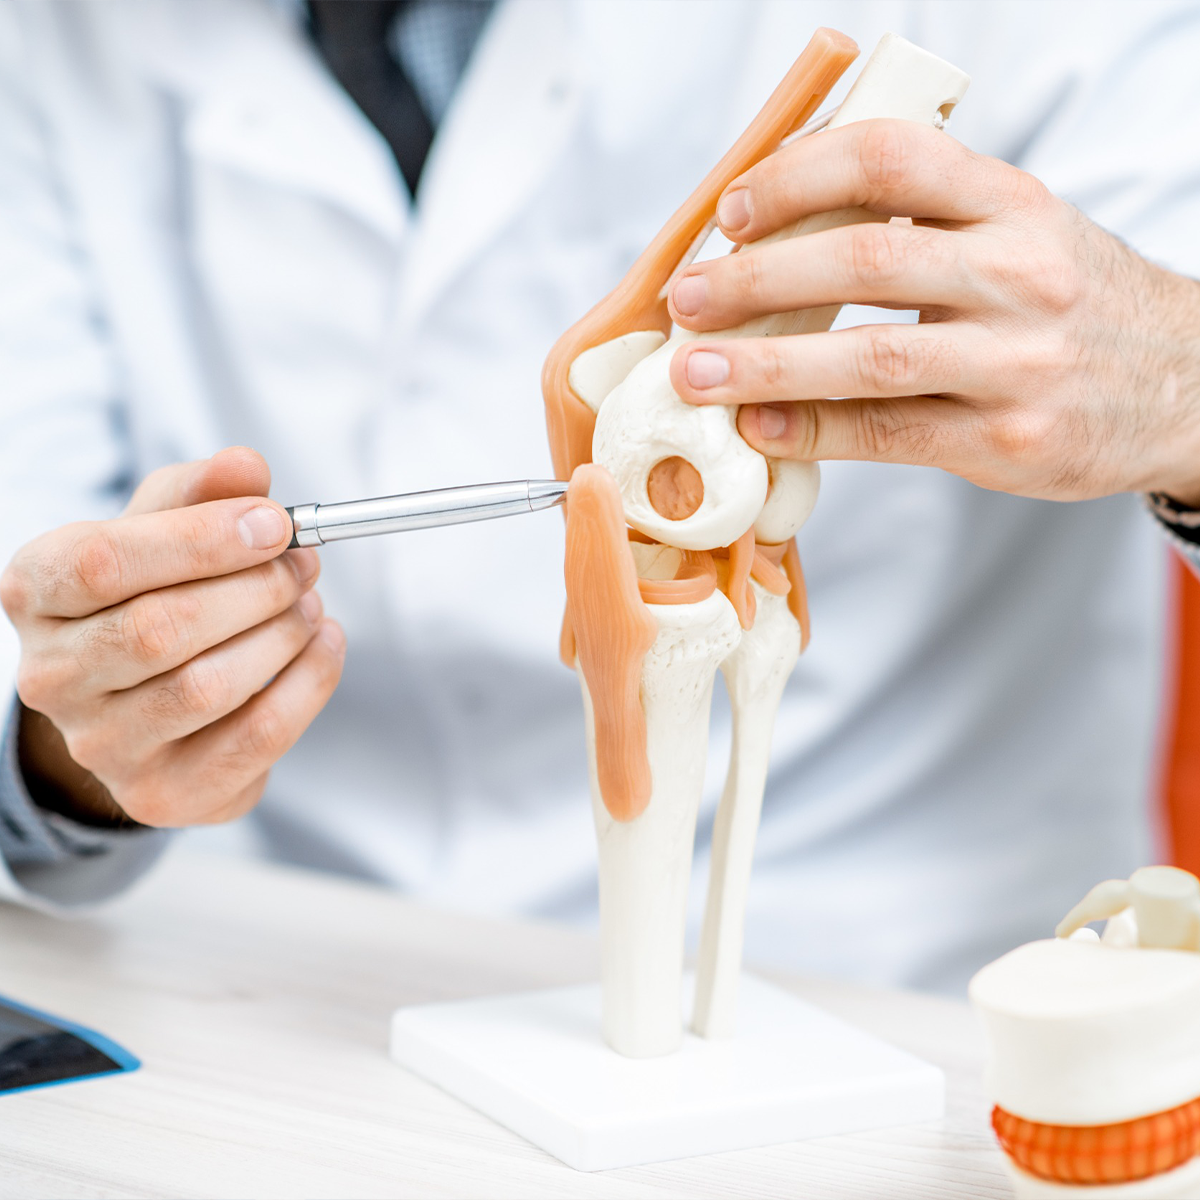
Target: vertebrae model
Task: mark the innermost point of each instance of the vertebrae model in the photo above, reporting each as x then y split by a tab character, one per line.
1094	1045
681	561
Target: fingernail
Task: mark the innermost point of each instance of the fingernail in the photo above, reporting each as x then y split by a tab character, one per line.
304	563
689	294
707	369
333	637
310	607
734	210
261	528
772	423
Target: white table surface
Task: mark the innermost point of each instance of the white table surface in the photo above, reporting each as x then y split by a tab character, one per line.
258	1000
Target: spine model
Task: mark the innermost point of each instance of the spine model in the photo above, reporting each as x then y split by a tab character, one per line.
681	562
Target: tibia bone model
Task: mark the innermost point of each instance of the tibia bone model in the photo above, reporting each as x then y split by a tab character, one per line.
680	561
646	864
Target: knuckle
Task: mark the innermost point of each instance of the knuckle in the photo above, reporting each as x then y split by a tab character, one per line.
751	277
889	362
148	804
877	429
265	735
772	366
16	590
254	793
1025	192
195	691
37	684
884	157
1020	434
1051	283
279	586
152	630
875	255
330	671
206	536
94	565
807	431
90	746
93	646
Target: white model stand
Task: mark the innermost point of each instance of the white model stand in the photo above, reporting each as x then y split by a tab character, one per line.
535	1062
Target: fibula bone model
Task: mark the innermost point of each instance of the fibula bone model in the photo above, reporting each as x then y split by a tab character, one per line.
1094	1045
680	561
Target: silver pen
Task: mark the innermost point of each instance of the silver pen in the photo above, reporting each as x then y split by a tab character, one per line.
316	524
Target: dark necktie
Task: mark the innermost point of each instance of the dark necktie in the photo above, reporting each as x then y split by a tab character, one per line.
351	36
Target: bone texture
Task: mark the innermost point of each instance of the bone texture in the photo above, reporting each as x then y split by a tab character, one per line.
645	864
643	421
755	675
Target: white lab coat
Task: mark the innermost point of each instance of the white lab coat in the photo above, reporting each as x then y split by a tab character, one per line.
202	242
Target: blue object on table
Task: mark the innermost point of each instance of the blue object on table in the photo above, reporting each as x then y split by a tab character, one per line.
38	1050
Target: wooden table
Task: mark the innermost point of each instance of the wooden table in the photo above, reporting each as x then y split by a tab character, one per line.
258	999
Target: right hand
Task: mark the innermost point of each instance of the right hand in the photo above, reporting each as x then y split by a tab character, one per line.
171	656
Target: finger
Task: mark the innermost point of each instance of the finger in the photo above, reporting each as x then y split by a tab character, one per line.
870	360
236	471
171	799
213	684
249	741
900	168
902	266
231	473
153	633
80	569
916	430
240	804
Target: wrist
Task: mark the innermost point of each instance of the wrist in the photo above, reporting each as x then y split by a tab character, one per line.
1176	335
56	782
1186	497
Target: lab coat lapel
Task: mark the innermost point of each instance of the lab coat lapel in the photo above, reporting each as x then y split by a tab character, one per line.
512	117
259	101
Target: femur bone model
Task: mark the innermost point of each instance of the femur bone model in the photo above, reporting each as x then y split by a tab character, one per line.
680	560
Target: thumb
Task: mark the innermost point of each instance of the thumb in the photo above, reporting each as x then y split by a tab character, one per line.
237	471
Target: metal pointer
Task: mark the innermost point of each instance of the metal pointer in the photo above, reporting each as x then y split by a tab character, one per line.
316	524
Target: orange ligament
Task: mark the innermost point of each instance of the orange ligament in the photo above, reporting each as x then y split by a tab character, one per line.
738	589
798	596
695	580
612	630
639	301
767	573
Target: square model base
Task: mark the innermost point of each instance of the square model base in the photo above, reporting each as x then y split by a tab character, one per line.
536	1063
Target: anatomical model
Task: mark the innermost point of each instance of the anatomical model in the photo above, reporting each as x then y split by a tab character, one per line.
1094	1045
680	561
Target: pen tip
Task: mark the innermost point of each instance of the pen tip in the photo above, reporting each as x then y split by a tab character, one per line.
546	493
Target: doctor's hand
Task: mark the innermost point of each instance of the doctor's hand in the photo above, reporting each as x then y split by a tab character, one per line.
1050	360
171	656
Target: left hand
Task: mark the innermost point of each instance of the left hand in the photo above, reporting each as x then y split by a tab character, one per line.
1050	360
